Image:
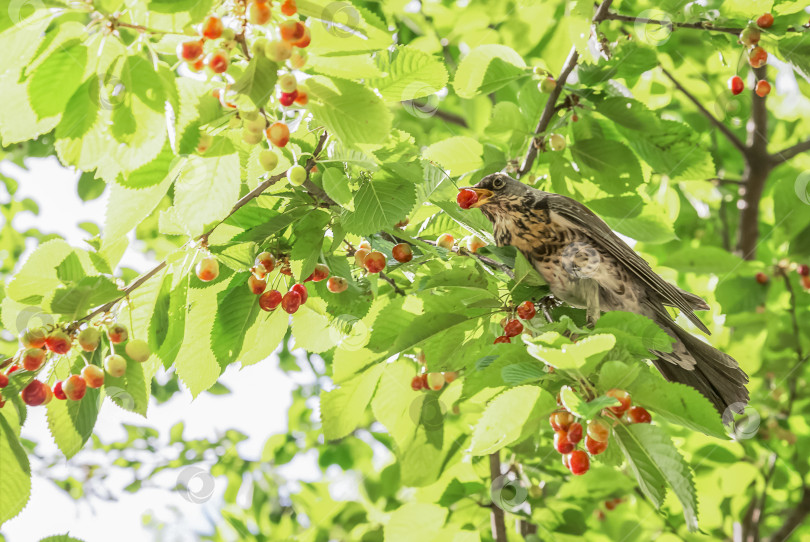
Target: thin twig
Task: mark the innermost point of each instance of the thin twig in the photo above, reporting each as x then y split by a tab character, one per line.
795	519
700	25
731	136
452	118
393	284
794	320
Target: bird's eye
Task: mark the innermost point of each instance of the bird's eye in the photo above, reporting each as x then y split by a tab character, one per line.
497	183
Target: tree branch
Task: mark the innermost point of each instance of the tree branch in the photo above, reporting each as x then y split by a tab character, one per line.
446	116
700	25
489	262
757	169
497	516
756	511
795	519
549	109
800	358
784	155
256	192
731	136
393	284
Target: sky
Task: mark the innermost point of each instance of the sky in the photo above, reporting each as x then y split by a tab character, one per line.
52	511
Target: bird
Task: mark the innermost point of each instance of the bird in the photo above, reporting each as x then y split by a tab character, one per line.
588	266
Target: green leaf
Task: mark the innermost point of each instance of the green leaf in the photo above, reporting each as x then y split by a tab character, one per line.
509	417
336	185
81	111
237	309
343	409
70	269
487	68
379	204
611	162
38	273
706	259
311	328
57	78
656	463
414	521
258	80
71	422
60	538
457	154
635	333
615	374
152	173
204	192
409	74
677	403
586	410
15	483
796	50
352	112
571	356
89	292
263	337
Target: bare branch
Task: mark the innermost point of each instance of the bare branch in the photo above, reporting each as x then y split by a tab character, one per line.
784	155
700	25
731	136
393	284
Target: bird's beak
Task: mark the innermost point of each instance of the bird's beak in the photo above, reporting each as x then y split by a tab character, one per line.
483	195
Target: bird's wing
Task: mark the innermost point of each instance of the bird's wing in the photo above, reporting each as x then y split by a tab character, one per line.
584	218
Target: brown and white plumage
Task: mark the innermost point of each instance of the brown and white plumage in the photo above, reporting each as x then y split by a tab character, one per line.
589	266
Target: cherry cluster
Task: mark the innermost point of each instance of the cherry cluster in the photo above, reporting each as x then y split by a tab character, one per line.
40	344
568	432
374	261
512	327
296	296
803	270
432	381
757	56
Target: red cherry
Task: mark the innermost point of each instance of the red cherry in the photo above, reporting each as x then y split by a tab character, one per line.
763	88
750	36
598	430
806	282
611	504
269	300
207	269
320	272
287	98
595	447
58	342
289	8
765	20
360	255
512	328
304	41
450	376
266	260
218	62
561	420
638	414
736	85
285	270
290	302
33	338
291	31
256	285
423	377
466	198
74	387
35	393
502	339
624	399
435	381
575	433
758	57
190	50
337	285
579	463
278	133
416	383
3	380
33	359
562	444
212	27
374	262
117	333
13	369
762	278
526	310
93	376
302	99
301	290
402	252
445	240
58	392
258	13
803	270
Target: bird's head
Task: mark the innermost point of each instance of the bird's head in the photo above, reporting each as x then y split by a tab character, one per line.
498	192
